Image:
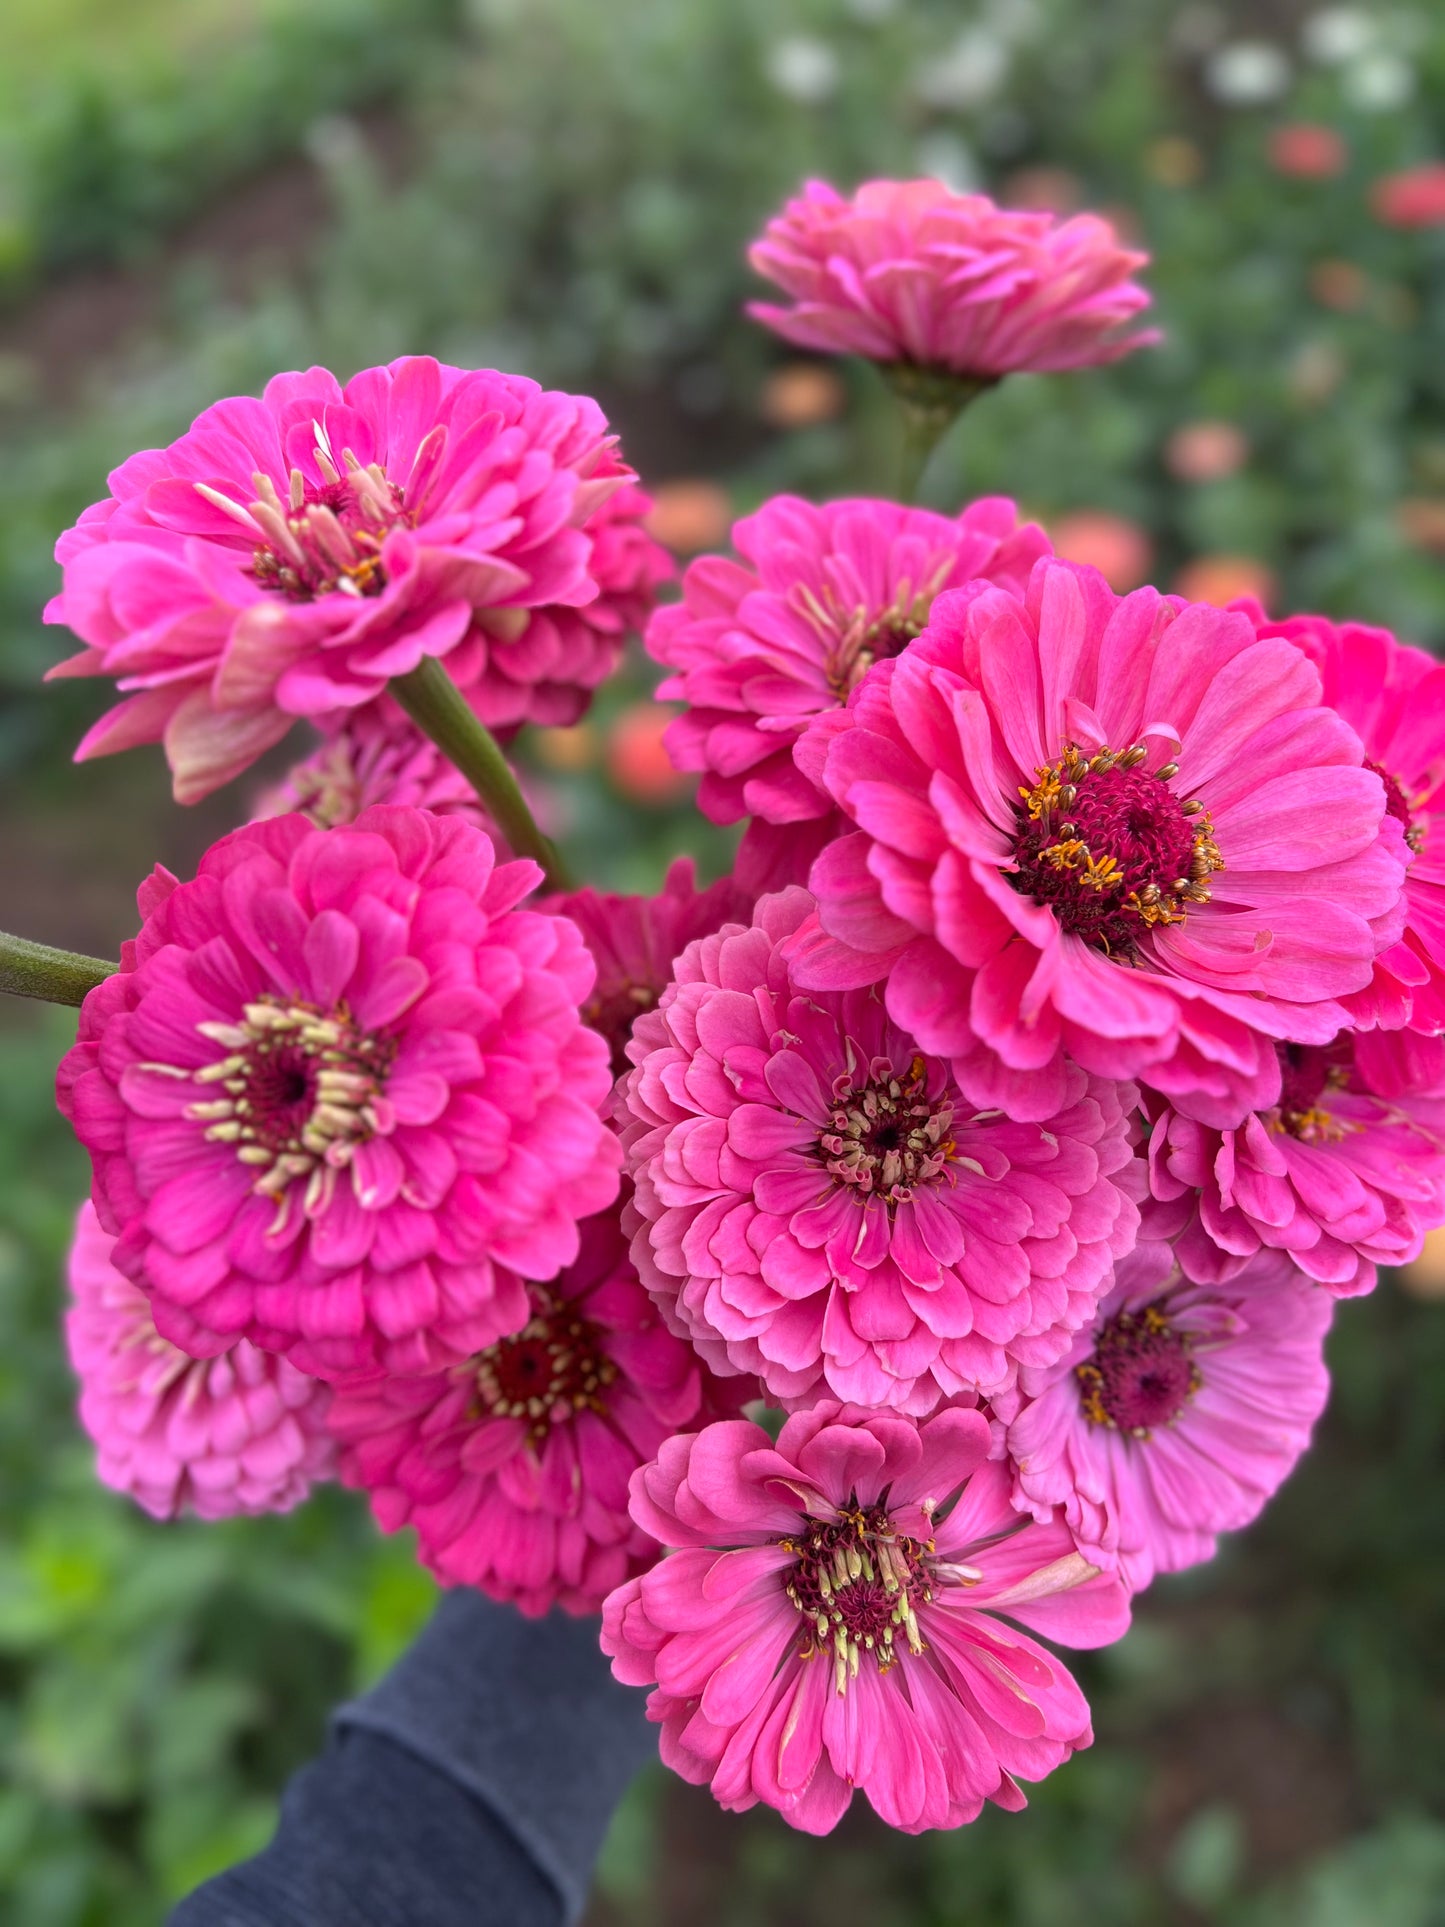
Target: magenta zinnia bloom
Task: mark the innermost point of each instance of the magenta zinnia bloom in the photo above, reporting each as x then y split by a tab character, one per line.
289	555
834	1617
634	942
513	1465
1393	697
1345	1173
1122	828
339	1094
243	1432
910	271
1176	1415
763	645
369	761
822	1207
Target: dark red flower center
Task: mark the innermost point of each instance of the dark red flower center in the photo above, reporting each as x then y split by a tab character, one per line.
613	1011
854	639
857	1585
1110	849
1308	1077
1140	1376
1397	805
886	1135
299	1089
546	1373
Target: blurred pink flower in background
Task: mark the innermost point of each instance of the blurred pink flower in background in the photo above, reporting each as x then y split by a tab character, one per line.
1204	451
910	271
834	1615
242	1432
1224	579
638	760
1119	549
1308	151
1413	198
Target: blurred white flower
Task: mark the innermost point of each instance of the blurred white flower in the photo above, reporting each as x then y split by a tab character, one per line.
1337	35
1378	82
803	68
970	73
944	157
1247	73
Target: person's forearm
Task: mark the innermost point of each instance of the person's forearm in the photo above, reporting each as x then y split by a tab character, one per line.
474	1784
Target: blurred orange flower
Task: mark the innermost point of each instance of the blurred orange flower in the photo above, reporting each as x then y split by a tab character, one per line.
1119	549
1206	451
1222	579
1173	161
566	749
637	760
1048	190
688	516
1339	284
1421	520
801	394
1425	1278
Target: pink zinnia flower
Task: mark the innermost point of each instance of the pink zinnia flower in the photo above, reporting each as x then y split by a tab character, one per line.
910	271
370	761
1413	198
339	1094
1124	829
513	1465
243	1432
1176	1416
1344	1173
288	556
834	1617
822	1207
635	941
763	645
1393	697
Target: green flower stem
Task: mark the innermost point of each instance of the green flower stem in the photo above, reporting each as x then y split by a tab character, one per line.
55	976
931	403
440	711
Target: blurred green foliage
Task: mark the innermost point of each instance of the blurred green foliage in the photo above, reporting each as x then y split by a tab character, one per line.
583	181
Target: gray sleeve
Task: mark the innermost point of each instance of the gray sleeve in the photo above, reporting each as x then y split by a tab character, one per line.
473	1785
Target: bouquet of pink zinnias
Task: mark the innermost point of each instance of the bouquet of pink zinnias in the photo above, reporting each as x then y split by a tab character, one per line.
855	1279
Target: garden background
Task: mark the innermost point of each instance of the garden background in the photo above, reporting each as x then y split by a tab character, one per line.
195	193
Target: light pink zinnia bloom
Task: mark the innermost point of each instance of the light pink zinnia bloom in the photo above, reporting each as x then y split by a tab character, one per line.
1345	1173
911	271
1393	697
339	1094
370	761
1121	828
513	1465
763	645
244	1432
1176	1416
635	941
819	1205
834	1617
289	555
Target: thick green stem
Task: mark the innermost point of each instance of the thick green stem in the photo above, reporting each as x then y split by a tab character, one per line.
931	403
440	711
55	976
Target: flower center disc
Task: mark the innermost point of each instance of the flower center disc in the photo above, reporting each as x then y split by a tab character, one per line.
887	1135
547	1372
1140	1376
1110	849
856	1586
1307	1079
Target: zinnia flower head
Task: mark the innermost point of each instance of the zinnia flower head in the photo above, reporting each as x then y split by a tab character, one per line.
368	761
1393	697
834	1615
913	272
1344	1173
1176	1415
242	1432
339	1094
634	941
820	1205
1121	828
287	556
513	1465
764	644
